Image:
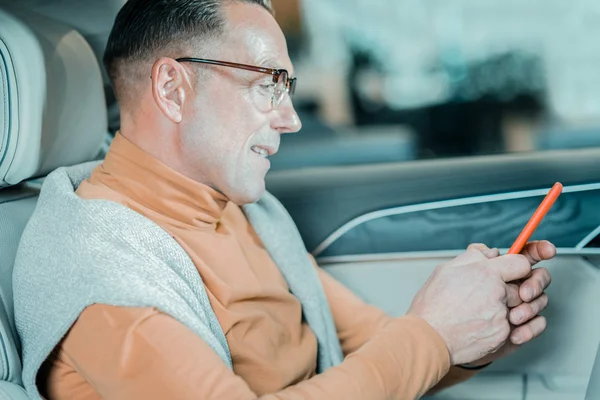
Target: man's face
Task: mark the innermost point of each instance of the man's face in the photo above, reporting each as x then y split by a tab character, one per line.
230	121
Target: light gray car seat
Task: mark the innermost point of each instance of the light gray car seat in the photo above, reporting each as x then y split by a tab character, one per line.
52	114
92	19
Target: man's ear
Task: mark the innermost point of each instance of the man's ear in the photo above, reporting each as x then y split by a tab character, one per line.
169	88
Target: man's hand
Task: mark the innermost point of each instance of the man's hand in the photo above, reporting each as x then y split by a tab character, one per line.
529	301
467	301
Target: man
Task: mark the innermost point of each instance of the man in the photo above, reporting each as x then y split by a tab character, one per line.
201	112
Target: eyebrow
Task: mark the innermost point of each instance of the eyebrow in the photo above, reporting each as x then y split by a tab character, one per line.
266	62
269	62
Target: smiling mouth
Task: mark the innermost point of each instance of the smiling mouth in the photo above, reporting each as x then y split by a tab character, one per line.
264	153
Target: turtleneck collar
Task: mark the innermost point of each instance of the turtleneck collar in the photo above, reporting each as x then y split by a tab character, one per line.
147	181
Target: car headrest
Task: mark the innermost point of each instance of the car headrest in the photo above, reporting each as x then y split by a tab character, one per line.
53	110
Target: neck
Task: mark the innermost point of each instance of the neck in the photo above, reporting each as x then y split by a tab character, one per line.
132	172
156	137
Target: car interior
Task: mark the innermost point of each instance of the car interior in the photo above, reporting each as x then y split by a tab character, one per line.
378	227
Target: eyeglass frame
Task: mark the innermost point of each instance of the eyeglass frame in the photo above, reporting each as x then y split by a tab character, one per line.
290	84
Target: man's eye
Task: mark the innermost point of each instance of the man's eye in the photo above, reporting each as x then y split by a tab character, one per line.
267	87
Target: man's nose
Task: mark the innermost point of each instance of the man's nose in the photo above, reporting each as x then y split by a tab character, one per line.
287	119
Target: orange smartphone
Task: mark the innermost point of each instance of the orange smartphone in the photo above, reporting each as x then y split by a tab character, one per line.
536	218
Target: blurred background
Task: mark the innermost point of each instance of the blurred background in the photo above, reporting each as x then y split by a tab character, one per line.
398	80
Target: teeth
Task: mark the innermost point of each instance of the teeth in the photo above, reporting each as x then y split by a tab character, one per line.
260	151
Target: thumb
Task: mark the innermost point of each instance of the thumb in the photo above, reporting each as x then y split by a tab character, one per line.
510	267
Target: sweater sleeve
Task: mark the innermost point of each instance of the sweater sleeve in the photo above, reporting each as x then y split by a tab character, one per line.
126	353
358	322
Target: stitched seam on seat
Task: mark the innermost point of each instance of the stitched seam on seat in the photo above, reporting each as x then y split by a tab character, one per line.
6	109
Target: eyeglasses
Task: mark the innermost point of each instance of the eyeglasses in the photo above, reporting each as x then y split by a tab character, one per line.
281	77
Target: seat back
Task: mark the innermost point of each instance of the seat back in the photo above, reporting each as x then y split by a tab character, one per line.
15	210
53	114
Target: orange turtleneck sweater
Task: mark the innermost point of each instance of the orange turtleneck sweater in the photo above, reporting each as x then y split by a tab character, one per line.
119	353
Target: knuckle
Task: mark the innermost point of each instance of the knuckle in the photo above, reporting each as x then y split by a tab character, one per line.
542	276
476	246
527	333
513	317
535	329
531	310
474	255
542	303
535	306
517	315
528	312
540	286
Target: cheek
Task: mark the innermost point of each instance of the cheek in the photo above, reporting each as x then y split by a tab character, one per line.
242	125
226	122
243	116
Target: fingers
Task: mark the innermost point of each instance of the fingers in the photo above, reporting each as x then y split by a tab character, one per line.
474	253
527	311
513	298
533	286
483	249
539	251
511	267
529	331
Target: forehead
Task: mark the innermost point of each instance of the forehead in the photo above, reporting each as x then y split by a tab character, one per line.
254	37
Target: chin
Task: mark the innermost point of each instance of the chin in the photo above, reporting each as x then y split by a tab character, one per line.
249	195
